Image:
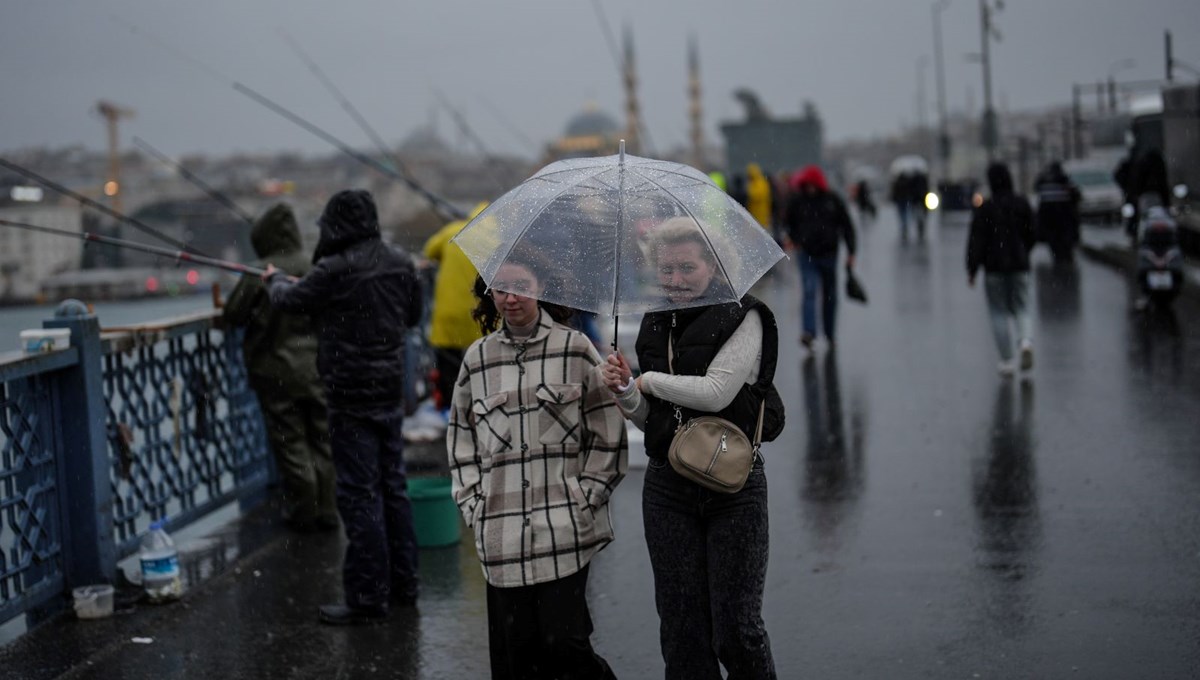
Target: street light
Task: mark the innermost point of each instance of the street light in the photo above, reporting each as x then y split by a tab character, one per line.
991	135
939	66
1114	68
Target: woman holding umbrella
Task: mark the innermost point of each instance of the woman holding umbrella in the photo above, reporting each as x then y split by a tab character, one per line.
536	448
708	549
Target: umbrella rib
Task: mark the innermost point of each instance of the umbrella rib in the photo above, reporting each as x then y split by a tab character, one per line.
683	205
697	180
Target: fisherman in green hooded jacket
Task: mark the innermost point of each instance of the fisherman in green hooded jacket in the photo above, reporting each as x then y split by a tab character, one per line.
281	358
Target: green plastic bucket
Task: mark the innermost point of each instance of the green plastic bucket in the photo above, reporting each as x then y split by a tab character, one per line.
435	514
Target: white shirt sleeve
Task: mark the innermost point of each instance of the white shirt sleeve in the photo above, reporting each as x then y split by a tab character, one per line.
736	364
634	407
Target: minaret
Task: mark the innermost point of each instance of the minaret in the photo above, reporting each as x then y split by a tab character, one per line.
633	120
695	107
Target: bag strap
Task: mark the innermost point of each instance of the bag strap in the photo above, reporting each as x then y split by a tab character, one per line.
762	406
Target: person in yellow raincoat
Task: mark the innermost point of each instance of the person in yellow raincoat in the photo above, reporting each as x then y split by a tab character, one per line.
451	330
758	195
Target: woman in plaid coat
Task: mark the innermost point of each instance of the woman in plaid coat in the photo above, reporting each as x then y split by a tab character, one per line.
536	446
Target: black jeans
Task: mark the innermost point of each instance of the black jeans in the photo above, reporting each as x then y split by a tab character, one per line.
708	551
372	498
543	631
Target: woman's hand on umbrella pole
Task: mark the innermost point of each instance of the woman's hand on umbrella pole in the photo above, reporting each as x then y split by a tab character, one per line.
617	373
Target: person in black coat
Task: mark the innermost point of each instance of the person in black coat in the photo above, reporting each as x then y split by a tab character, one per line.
364	296
1058	212
1000	240
815	221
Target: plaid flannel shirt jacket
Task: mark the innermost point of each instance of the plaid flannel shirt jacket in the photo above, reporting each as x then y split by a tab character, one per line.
536	445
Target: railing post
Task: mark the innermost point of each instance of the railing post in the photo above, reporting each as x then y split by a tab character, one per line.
89	547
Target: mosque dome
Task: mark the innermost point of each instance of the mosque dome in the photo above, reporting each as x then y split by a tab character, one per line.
423	141
592	121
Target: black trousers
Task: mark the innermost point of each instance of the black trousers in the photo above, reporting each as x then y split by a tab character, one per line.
708	551
543	631
380	566
449	361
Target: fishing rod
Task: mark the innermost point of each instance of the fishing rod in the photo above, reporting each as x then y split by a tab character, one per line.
345	103
177	255
189	176
461	122
56	187
448	210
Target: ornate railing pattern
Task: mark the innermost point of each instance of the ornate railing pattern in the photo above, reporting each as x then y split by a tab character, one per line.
31	526
99	440
184	431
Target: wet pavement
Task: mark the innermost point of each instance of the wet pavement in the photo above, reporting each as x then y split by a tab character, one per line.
929	519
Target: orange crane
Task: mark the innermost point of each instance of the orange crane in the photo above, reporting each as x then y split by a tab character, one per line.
112	114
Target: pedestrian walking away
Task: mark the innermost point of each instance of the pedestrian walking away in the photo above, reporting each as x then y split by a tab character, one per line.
816	220
364	295
999	242
708	550
280	351
536	447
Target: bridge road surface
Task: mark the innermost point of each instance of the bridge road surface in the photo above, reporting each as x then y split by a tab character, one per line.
929	519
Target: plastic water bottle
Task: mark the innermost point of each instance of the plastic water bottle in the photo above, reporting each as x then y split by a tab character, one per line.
160	566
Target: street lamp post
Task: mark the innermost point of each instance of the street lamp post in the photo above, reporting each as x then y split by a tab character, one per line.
1113	69
939	66
991	134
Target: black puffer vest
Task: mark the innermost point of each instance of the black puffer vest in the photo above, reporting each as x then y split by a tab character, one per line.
699	333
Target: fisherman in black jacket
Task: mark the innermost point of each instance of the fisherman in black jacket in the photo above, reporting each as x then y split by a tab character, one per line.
364	296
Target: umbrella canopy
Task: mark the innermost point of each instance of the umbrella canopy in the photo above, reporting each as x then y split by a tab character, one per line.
909	163
587	228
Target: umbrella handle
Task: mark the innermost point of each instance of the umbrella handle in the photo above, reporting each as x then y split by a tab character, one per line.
616	324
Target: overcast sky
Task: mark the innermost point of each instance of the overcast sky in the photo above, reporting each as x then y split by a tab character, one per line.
532	64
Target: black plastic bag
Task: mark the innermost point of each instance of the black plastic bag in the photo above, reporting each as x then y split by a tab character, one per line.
854	288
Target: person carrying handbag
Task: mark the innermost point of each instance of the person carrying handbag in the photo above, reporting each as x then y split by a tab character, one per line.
708	549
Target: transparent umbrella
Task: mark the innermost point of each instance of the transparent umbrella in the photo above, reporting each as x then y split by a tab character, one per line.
585	228
909	163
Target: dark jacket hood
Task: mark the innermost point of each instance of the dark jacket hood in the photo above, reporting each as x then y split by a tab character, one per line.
276	232
349	217
810	175
999	179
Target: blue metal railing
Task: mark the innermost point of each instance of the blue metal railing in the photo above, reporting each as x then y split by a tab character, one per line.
31	566
184	431
99	440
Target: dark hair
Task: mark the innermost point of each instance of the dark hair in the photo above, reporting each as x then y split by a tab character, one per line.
485	312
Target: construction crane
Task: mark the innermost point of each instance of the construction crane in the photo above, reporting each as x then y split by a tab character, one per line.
112	114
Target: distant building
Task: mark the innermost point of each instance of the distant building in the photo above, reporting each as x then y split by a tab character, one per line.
774	143
590	133
28	257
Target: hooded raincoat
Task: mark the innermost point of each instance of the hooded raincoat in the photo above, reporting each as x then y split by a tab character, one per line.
452	326
364	295
280	350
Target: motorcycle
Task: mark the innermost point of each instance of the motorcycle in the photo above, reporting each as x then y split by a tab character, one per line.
1159	257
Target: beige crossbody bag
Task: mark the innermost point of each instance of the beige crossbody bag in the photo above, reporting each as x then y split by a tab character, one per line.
712	451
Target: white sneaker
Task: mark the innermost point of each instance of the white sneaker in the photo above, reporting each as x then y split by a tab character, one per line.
1026	355
1006	368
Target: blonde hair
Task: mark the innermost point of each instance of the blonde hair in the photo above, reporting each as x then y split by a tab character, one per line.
676	230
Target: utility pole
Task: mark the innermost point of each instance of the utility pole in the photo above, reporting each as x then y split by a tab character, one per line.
1077	120
943	143
1170	56
112	115
991	132
922	128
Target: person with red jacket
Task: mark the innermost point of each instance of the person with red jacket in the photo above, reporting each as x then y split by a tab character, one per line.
815	221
